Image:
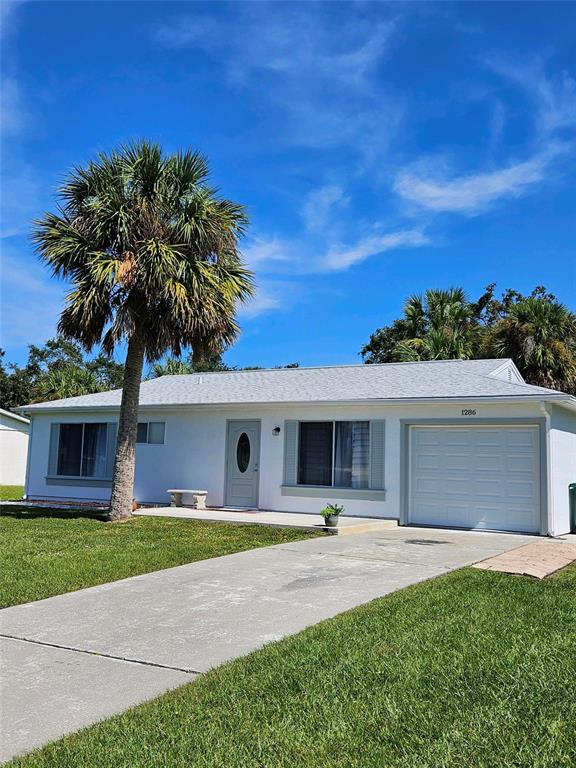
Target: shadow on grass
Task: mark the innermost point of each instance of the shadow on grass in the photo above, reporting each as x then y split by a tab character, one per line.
31	513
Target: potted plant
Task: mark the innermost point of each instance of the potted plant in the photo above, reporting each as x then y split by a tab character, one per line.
330	513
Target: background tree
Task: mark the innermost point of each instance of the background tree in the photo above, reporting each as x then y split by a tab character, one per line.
62	361
441	325
536	331
178	366
152	253
540	336
66	381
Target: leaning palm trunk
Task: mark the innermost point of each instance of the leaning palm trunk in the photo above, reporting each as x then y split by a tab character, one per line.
125	462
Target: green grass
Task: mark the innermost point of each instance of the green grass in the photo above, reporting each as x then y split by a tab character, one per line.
11	492
47	552
471	670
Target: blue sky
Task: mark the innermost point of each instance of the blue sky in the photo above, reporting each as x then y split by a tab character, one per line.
380	149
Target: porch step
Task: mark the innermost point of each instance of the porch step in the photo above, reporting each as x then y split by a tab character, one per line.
346	526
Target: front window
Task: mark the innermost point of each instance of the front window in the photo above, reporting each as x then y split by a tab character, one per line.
334	453
151	432
82	450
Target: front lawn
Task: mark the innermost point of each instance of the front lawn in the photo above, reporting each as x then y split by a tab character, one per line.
47	552
470	670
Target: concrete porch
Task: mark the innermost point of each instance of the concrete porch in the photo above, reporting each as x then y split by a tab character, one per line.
346	525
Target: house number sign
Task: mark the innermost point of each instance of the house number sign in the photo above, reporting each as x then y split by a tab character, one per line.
468	412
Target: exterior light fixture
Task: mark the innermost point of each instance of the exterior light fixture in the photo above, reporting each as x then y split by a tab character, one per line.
276	431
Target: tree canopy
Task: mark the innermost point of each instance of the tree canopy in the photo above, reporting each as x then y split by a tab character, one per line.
536	331
59	368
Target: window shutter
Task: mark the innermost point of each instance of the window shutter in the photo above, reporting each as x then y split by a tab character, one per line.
110	449
290	452
53	450
377	451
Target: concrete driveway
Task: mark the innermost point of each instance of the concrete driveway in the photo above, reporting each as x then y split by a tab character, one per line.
72	660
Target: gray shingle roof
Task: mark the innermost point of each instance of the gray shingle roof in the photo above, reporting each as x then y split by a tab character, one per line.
392	381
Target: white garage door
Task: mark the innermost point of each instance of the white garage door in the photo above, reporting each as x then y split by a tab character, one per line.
475	477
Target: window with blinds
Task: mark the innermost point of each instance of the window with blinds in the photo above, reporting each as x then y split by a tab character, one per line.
334	453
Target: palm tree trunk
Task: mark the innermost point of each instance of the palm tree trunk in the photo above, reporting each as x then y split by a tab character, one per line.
124	464
199	352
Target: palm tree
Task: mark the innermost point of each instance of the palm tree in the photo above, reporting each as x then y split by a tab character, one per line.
540	336
152	253
172	366
440	326
66	381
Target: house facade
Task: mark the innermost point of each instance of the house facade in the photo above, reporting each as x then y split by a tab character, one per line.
450	443
13	447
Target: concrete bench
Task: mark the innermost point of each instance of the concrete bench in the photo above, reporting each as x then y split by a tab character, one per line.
198	497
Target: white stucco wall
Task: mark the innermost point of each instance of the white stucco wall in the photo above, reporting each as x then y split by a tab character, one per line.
563	466
193	455
13	450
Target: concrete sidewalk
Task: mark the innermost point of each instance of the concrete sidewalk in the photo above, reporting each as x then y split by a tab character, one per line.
72	660
347	525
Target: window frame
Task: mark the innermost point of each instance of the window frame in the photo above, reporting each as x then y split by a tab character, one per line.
147	441
333	453
80	476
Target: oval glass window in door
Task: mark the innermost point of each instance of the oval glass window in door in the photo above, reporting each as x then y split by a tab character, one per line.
243	452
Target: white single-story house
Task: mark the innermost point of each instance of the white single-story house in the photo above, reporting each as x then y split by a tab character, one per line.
13	447
454	443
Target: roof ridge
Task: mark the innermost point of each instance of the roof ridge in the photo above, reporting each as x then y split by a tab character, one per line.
328	367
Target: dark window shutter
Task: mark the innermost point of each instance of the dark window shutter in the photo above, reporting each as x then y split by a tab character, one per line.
377	454
110	449
290	452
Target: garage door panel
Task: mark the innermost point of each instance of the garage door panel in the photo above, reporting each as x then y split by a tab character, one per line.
429	461
430	437
454	462
521	464
475	477
487	463
486	439
518	438
522	490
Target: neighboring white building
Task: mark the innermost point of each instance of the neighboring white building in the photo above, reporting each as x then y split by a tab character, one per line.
449	443
14	431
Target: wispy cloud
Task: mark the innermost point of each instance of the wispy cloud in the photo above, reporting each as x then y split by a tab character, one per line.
31	302
553	101
473	193
553	96
13	114
332	95
267	42
261	251
7	13
21	198
341	257
322	204
272	295
305	64
304	256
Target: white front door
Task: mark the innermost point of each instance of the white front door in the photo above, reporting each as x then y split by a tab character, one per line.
242	463
475	477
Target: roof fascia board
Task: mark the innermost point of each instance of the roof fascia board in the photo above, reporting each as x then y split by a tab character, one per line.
567	400
15	416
